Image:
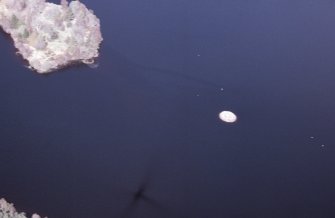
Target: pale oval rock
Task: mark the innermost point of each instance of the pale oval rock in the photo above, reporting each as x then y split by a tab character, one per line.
228	116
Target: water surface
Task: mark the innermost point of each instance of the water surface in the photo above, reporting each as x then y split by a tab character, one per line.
140	136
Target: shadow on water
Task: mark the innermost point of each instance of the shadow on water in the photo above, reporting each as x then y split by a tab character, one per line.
141	195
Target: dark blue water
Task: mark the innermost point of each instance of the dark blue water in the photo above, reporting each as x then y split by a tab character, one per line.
139	136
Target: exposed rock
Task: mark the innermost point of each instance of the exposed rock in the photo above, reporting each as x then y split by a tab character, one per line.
228	116
7	210
50	36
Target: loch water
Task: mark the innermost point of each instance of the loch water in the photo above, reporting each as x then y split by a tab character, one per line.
140	135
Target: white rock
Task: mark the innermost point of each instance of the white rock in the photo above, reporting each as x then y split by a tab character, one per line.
228	116
7	210
50	36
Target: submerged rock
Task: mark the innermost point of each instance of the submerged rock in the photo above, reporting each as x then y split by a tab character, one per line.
50	36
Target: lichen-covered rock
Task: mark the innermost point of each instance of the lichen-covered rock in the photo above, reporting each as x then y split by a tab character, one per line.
50	36
8	210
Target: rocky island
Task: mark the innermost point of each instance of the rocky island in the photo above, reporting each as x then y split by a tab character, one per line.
50	36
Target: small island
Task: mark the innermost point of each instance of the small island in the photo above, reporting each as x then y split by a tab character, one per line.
50	36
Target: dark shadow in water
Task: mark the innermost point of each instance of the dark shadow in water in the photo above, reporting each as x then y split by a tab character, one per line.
141	195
